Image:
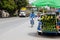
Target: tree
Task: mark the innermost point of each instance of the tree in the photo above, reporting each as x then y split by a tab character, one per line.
12	5
21	3
8	5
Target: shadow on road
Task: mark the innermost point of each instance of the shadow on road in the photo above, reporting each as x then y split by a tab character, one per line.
44	35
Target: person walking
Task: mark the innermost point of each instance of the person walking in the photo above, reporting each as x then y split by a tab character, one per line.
32	16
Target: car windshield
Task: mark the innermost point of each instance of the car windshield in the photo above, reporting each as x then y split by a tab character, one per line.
22	12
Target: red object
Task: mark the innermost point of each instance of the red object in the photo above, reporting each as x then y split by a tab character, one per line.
57	27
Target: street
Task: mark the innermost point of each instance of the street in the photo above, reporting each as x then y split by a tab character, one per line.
17	28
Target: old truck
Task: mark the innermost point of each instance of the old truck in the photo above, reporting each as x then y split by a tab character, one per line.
49	23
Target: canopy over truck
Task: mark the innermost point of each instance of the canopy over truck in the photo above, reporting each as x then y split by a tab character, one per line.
51	3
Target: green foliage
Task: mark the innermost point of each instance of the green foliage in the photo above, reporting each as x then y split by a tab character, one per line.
11	5
8	5
21	3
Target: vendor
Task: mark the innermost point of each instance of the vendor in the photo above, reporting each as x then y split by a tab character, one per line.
58	22
58	17
39	23
38	14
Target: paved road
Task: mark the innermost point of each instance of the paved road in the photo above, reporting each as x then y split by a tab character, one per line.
19	29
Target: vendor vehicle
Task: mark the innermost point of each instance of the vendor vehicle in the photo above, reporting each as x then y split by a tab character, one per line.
22	14
48	23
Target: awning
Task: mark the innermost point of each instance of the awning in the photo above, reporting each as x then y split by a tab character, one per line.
51	3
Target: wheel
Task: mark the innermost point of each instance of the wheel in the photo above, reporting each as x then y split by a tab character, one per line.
39	33
58	34
31	25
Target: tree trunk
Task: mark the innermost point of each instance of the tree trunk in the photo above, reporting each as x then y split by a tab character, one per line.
19	11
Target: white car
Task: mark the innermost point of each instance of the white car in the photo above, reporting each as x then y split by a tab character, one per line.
22	14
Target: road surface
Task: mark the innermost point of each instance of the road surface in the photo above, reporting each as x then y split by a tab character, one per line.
19	29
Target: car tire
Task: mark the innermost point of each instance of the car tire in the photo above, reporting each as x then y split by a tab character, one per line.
58	34
39	33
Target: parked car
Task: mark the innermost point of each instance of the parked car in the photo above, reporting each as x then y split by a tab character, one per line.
22	14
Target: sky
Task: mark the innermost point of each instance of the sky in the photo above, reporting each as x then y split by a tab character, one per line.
30	1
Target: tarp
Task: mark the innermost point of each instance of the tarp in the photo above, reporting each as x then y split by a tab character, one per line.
57	2
51	3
